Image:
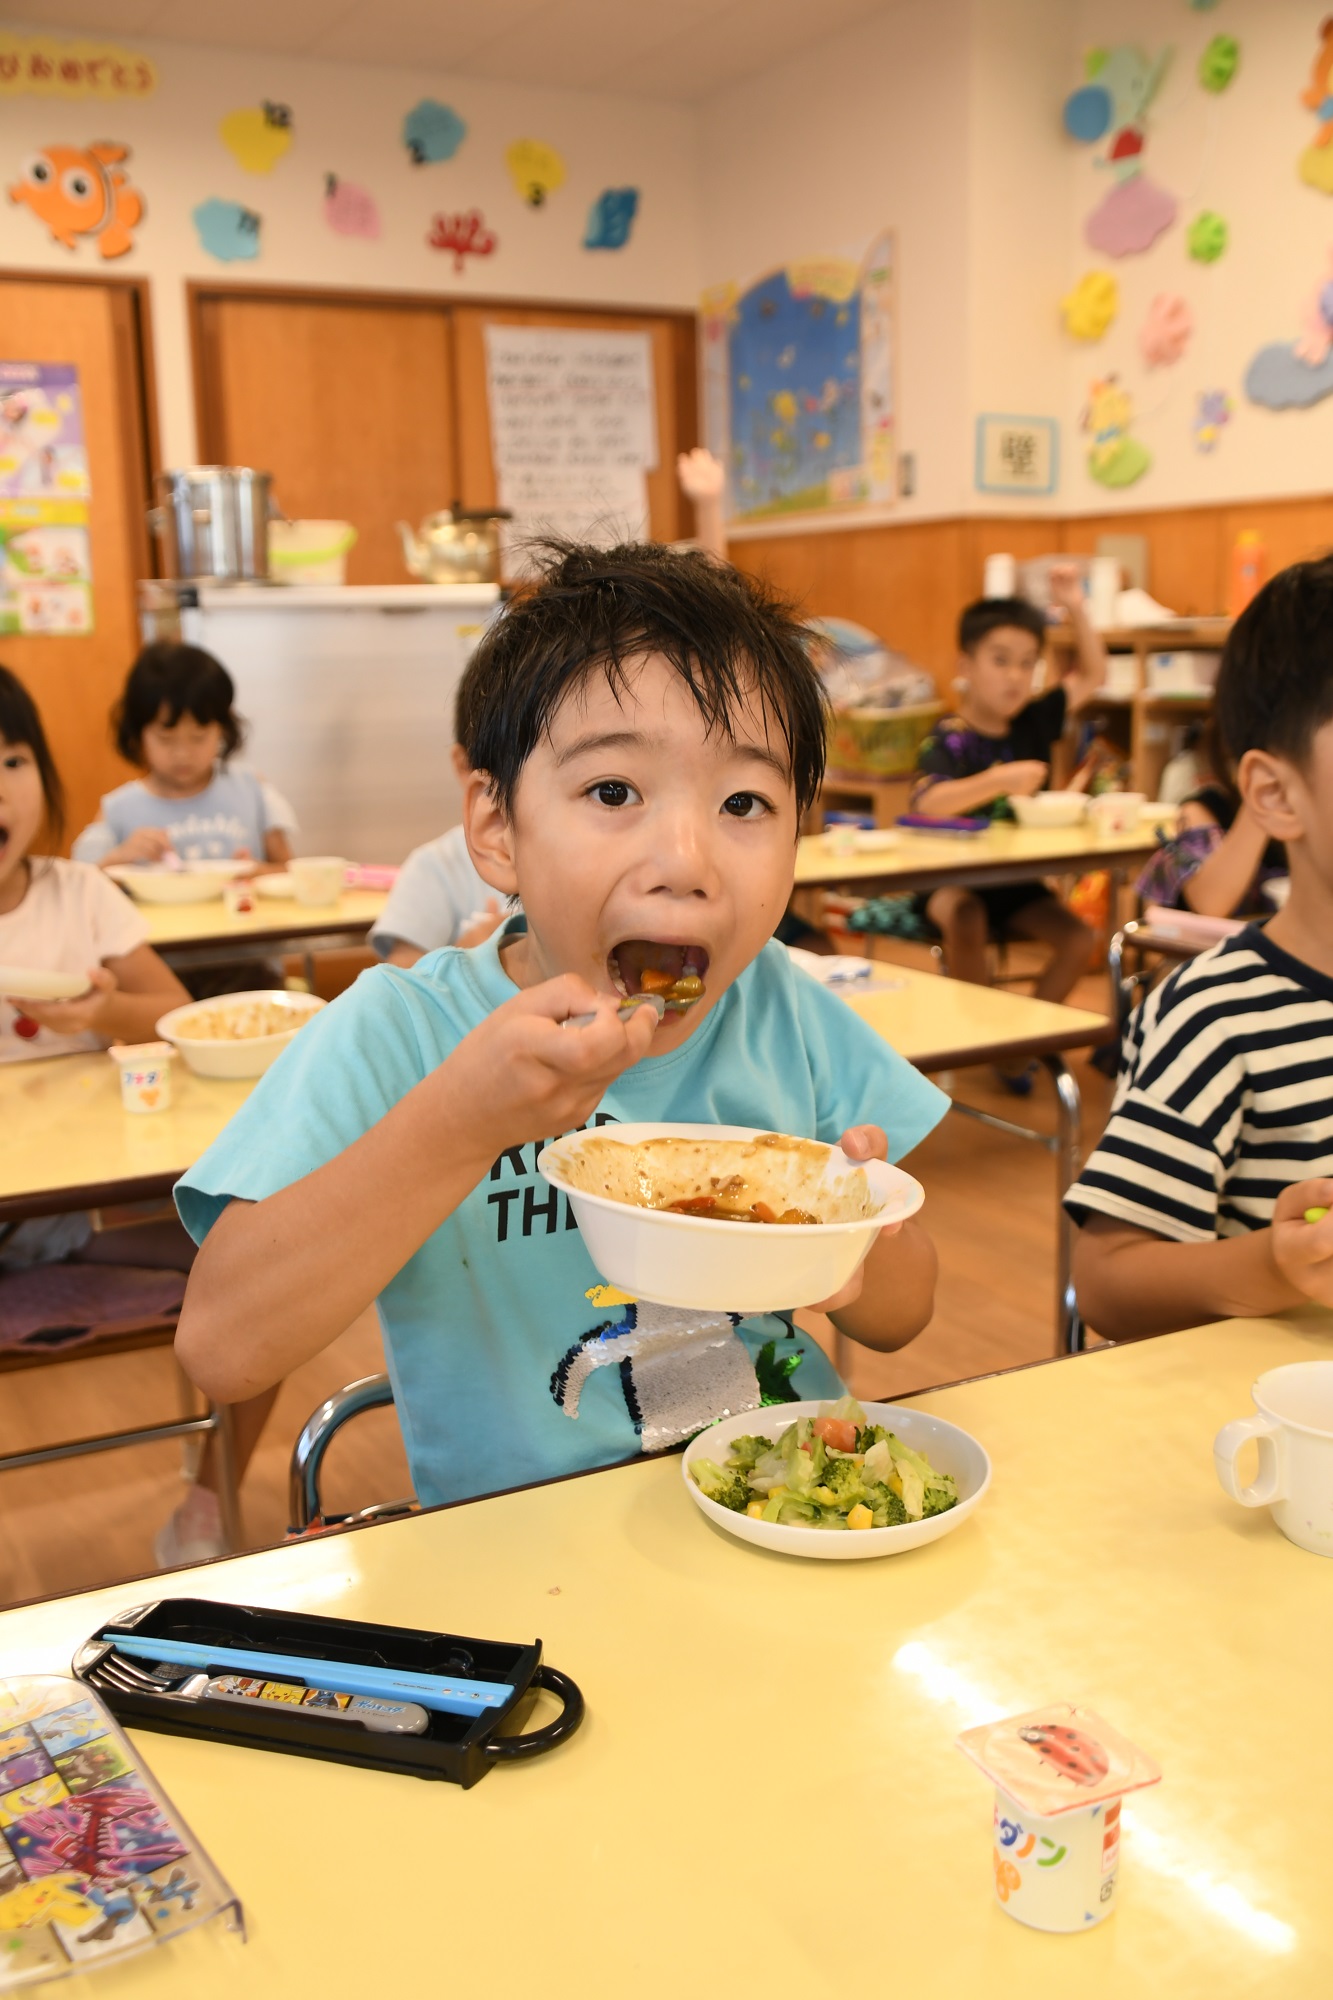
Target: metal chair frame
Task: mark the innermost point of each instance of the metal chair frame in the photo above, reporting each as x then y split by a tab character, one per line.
305	1507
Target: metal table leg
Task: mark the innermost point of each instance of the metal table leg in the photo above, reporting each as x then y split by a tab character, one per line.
1069	1325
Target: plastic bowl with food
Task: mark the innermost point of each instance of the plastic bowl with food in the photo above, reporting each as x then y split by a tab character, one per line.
1046	809
237	1034
195	882
948	1449
622	1180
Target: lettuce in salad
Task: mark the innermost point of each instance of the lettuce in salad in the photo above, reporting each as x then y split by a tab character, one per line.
835	1470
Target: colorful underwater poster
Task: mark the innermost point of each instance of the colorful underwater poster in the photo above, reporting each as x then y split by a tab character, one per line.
802	382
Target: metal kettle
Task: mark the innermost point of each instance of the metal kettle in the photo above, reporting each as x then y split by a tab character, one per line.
457	545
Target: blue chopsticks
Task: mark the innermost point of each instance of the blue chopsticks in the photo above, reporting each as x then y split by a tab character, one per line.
450	1695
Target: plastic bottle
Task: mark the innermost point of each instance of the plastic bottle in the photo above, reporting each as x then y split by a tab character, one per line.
1249	567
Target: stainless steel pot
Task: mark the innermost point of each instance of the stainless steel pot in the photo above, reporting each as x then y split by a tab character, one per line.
211	523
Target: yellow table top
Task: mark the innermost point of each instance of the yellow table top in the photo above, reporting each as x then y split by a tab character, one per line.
66	1142
938	1023
1006	852
273	916
766	1778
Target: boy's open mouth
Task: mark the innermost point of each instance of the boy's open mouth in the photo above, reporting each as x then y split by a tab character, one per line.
645	965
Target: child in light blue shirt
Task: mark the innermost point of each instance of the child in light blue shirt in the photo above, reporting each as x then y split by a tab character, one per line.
177	719
647	731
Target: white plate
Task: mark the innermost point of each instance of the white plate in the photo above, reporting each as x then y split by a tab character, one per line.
200	883
31	982
278	886
707	1265
948	1449
876	839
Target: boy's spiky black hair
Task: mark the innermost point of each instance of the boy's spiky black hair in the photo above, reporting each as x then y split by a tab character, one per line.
989	614
1275	683
728	635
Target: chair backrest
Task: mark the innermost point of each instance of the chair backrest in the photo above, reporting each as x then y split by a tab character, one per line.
372	1392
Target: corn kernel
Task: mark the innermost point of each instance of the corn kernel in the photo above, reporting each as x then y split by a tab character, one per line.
860	1517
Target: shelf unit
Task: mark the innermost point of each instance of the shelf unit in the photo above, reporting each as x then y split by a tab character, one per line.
1151	713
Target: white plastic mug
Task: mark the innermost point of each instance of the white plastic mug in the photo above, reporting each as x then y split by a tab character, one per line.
1056	1872
317	879
145	1075
1294	1433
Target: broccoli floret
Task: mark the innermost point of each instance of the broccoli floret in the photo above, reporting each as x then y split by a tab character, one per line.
842	1477
888	1508
938	1500
725	1484
746	1452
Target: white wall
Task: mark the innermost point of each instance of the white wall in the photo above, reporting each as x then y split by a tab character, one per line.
348	121
818	154
1235	153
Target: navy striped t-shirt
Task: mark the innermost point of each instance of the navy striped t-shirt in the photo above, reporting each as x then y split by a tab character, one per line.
1225	1096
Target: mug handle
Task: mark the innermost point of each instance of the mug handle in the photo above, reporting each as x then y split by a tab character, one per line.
1269	1486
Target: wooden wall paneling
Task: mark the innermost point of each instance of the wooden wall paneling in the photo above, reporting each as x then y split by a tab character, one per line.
1293	530
673	338
346	399
98	325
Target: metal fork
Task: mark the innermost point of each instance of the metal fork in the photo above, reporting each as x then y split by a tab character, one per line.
114	1671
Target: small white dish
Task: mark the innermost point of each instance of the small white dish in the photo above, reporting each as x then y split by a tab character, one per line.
33	982
196	882
876	839
280	887
1047	809
704	1264
250	1057
948	1448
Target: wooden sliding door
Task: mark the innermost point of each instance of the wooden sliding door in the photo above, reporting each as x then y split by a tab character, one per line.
100	327
347	402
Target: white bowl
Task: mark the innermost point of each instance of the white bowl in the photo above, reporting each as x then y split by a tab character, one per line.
1050	809
281	887
33	982
237	1059
948	1449
705	1265
198	882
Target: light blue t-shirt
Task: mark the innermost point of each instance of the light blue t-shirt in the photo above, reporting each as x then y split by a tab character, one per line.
437	893
235	810
492	1308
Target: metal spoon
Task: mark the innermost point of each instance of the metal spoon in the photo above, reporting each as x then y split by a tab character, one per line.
627	1007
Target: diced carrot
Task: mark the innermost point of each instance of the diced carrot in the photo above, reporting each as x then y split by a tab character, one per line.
839	1432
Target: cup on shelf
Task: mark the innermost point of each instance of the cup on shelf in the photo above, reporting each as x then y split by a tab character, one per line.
1294	1432
317	879
145	1074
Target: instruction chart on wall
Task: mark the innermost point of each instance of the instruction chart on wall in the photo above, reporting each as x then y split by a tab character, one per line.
45	560
799	385
573	432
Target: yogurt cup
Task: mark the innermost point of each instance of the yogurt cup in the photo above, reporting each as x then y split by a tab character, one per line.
1056	1872
145	1074
317	879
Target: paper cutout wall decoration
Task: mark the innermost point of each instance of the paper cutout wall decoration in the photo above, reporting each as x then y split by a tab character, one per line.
350	210
432	131
45	67
466	235
1316	162
1113	104
226	230
536	170
1207	236
45	552
1213	409
83	191
1166	330
1219	62
1092	305
611	218
1292	375
1114	457
258	136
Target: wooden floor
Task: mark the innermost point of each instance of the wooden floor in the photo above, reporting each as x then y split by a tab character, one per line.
991	1211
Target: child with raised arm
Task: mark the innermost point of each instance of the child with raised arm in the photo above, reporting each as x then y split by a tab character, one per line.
647	732
1220	1140
996	746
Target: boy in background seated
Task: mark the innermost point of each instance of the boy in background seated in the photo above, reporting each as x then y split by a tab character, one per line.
647	729
439	898
996	745
1193	1206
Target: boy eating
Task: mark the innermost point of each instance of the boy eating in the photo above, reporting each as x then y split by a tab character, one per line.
998	745
646	731
1209	1195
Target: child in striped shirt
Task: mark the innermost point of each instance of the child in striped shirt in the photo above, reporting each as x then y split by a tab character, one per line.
1193	1207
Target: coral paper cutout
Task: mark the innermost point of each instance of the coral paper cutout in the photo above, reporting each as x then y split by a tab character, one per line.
350	210
466	235
82	191
1166	330
258	136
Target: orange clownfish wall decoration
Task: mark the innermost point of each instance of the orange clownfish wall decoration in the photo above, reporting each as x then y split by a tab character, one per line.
83	191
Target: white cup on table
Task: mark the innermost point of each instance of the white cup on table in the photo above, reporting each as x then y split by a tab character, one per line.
1294	1432
317	879
1116	812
